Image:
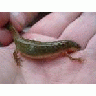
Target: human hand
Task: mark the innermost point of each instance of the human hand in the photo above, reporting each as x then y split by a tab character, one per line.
60	70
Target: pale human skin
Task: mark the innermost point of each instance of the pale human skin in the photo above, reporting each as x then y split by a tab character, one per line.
80	27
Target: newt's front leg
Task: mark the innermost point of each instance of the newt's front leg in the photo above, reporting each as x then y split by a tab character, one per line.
71	58
16	58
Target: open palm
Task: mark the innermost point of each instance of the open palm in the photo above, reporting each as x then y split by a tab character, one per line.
80	27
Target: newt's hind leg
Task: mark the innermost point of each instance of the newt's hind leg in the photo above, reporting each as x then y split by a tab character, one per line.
16	58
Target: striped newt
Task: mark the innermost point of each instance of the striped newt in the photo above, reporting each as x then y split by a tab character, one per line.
40	50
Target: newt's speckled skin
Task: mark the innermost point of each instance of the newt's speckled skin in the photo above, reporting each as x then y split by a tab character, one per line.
40	50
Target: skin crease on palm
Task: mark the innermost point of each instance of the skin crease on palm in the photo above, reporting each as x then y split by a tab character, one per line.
80	27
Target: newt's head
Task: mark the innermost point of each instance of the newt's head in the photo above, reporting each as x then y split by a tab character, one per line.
71	46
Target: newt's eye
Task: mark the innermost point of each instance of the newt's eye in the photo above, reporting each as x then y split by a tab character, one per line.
63	44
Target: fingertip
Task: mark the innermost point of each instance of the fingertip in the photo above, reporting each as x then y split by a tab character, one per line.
4	18
5	37
15	22
21	19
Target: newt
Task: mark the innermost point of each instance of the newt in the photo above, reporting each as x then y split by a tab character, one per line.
41	50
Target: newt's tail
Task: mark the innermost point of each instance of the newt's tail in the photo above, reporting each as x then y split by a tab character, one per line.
14	32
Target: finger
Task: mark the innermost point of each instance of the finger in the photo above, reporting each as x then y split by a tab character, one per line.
8	69
92	43
54	23
81	30
4	18
21	19
38	37
91	48
5	36
88	71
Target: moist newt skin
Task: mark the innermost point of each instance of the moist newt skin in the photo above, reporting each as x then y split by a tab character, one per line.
39	50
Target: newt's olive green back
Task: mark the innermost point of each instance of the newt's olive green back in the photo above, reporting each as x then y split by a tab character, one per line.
36	48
